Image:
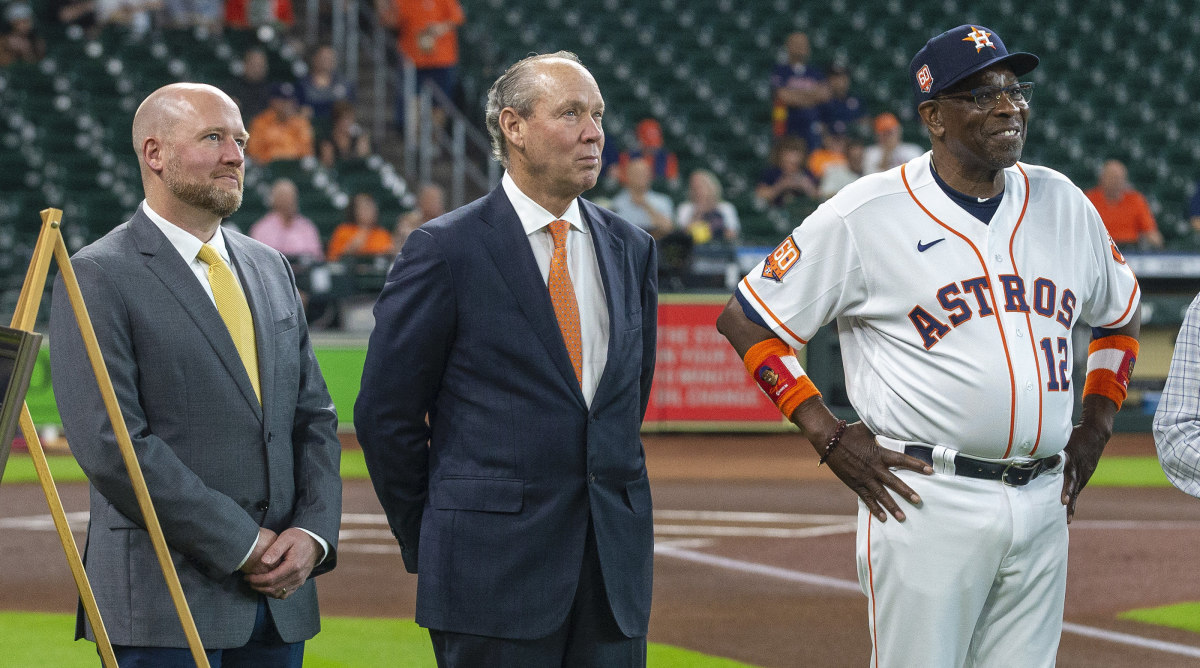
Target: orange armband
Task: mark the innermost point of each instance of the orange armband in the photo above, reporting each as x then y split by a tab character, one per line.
774	366
1109	366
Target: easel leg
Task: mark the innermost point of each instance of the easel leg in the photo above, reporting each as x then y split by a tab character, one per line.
90	608
24	318
121	432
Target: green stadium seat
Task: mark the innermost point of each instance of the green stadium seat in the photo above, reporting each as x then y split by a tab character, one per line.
13	170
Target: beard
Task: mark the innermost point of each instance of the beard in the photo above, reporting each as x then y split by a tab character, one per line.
1007	155
205	196
1006	152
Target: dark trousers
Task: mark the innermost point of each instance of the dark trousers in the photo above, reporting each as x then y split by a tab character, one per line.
590	636
264	650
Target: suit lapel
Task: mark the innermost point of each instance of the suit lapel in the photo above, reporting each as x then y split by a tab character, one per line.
609	249
508	245
264	323
169	267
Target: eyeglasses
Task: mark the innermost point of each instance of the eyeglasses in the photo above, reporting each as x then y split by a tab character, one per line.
987	97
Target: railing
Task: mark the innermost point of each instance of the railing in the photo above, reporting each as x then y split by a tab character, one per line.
349	40
432	141
356	31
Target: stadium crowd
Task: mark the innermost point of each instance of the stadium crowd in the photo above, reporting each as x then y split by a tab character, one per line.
824	136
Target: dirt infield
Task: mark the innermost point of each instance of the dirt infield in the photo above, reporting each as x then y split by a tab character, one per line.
755	559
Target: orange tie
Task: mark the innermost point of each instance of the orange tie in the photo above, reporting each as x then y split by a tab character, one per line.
562	295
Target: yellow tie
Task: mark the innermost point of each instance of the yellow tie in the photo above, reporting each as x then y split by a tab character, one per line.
234	310
562	296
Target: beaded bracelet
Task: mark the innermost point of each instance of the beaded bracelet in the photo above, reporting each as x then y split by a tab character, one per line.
833	441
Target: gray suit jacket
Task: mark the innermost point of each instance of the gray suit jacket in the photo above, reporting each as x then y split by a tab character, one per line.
218	465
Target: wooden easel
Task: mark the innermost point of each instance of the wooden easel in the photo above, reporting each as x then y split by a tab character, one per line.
50	243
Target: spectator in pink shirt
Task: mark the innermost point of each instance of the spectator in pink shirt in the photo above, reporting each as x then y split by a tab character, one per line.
284	229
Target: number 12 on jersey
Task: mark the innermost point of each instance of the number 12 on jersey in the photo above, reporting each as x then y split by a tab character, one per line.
1058	380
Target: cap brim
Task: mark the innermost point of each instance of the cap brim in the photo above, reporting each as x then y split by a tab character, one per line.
1020	63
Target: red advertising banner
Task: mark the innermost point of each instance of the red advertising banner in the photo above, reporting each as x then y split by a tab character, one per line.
698	377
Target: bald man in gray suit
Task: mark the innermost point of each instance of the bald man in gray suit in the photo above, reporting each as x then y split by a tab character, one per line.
227	409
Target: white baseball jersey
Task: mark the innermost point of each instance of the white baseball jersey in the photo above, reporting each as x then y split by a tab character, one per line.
953	332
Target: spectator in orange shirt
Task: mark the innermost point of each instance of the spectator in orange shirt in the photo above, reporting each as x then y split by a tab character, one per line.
1124	210
281	132
427	33
831	152
361	234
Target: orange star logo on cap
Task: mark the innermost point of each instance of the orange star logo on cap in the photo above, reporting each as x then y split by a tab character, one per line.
980	38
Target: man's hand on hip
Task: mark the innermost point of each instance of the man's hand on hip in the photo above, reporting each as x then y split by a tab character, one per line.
865	467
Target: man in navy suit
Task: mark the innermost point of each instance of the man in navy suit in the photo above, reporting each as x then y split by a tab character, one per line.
503	393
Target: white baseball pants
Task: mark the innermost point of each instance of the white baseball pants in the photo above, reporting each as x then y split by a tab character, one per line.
974	577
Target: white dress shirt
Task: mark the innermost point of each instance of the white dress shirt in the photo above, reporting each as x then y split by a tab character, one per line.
585	275
188	247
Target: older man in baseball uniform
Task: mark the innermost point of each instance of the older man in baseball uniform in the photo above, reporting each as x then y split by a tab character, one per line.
955	280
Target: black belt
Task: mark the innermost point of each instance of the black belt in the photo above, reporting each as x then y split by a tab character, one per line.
1015	474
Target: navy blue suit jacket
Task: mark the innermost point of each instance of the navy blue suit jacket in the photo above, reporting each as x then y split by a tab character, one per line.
490	499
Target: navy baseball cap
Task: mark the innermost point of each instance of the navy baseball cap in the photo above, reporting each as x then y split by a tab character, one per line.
957	54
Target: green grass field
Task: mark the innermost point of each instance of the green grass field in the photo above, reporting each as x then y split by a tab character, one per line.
39	639
43	639
1112	472
1185	616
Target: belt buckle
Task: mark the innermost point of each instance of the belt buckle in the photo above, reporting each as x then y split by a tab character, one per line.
1018	466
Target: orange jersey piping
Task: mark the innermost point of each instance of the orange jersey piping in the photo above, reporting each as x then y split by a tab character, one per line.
746	284
1012	379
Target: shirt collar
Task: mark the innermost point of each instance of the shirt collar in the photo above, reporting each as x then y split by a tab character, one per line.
183	241
533	216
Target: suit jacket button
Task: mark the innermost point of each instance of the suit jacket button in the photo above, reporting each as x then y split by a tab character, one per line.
591	478
264	505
